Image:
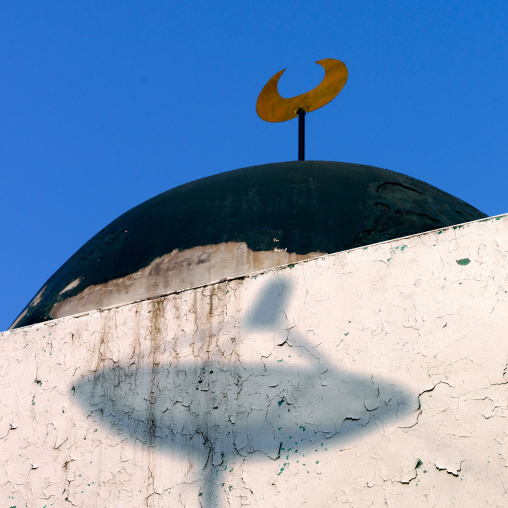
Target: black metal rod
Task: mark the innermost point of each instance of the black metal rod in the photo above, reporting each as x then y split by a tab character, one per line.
301	134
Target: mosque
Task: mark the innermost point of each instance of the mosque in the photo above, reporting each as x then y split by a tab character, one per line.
304	333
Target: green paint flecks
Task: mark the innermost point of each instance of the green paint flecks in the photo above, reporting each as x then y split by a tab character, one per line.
463	262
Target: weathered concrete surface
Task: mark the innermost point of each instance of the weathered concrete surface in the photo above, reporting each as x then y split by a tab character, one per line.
374	377
177	271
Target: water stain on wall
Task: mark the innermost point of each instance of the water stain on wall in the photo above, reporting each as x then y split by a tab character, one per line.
216	409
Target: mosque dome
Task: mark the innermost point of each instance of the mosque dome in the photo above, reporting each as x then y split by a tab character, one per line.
238	222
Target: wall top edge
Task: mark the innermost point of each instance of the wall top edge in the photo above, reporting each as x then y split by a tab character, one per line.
264	271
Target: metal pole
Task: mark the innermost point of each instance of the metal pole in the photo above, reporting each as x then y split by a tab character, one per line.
301	134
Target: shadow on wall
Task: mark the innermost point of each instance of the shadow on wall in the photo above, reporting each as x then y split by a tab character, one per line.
217	411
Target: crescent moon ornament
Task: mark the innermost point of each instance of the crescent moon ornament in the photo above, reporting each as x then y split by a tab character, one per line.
274	108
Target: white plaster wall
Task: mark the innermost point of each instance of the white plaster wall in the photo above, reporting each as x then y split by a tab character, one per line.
374	377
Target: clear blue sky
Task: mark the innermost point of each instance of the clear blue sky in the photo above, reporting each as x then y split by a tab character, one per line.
106	104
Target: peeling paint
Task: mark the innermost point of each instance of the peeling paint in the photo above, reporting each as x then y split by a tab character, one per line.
339	382
176	271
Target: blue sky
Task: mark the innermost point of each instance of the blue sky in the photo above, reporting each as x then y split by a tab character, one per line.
106	104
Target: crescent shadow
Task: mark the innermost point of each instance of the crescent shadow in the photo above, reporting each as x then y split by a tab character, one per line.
271	107
219	413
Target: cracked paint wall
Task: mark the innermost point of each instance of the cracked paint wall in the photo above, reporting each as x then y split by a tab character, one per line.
373	377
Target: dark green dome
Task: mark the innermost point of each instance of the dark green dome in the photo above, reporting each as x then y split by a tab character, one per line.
273	213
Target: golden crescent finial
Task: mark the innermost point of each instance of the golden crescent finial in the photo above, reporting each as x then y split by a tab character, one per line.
274	108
